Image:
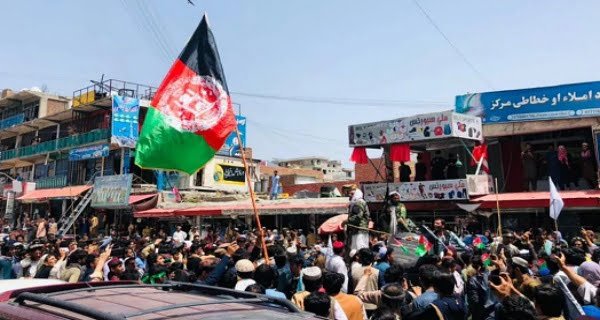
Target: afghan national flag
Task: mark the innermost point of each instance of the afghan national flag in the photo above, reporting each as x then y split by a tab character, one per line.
478	243
543	267
423	247
191	114
399	243
487	260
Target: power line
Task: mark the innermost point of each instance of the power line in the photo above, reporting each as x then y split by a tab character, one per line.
456	49
158	26
298	133
340	101
144	30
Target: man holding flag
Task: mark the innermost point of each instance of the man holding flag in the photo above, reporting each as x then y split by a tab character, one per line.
191	114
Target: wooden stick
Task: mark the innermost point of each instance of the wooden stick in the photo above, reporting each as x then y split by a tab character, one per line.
498	208
556	224
253	198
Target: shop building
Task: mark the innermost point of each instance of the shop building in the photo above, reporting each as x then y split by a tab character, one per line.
544	118
442	142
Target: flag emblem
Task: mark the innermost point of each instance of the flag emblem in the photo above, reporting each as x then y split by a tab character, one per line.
193	103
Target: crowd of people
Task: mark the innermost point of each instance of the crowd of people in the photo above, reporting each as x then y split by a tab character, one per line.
533	274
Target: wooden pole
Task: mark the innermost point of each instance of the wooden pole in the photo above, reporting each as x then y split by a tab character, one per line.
498	209
253	197
556	224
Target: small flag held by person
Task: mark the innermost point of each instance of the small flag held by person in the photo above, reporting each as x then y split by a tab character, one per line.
191	114
478	243
486	259
399	243
423	247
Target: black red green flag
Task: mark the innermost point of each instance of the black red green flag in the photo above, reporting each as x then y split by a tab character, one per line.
191	115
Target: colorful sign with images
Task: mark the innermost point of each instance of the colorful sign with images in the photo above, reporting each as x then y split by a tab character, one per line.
416	128
125	124
419	191
112	192
227	174
546	103
93	152
232	145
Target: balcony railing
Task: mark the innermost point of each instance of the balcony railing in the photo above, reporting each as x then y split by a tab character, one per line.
12	121
100	90
51	182
58	144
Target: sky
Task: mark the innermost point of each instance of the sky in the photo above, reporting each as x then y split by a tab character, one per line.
383	59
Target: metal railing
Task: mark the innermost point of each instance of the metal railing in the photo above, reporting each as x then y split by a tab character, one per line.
58	144
51	182
100	90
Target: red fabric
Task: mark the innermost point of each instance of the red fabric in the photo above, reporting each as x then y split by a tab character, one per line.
480	152
359	155
333	224
400	152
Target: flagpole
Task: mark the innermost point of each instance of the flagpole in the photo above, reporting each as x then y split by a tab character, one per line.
252	196
498	209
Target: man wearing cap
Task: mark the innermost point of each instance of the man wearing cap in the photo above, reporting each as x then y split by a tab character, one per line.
358	220
310	281
336	263
245	272
524	281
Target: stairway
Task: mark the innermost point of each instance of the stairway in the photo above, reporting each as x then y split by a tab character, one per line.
67	221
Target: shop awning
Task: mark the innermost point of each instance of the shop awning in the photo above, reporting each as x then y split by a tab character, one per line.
135	198
164	213
58	193
521	200
265	207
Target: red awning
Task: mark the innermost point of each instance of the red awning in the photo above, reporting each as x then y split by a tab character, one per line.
521	200
135	198
163	213
275	207
58	193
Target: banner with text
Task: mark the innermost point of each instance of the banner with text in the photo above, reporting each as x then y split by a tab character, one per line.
546	103
125	125
112	192
423	127
419	191
93	152
226	174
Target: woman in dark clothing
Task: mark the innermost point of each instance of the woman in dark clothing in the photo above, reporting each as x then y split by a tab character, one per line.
588	166
565	169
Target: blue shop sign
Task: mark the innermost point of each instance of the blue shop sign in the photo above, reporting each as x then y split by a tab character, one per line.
93	152
557	102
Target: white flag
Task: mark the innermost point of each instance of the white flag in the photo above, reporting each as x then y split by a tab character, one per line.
556	202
